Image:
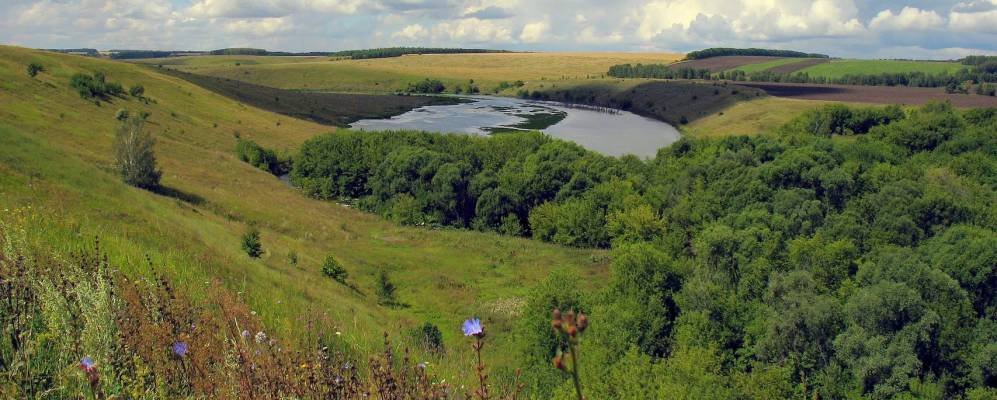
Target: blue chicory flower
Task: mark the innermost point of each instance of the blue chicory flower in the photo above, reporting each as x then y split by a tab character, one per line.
472	327
180	349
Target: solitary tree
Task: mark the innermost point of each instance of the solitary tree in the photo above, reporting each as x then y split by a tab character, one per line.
333	269
135	158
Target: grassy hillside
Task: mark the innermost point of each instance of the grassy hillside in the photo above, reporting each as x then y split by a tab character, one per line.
57	159
750	117
840	68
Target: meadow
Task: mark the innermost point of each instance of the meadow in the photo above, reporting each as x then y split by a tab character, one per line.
758	67
58	161
840	68
387	75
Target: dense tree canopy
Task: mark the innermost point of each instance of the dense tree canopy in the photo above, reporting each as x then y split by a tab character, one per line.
849	254
724	51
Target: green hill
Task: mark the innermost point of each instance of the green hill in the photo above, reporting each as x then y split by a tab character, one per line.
57	159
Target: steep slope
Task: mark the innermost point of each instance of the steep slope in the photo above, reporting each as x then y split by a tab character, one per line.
56	157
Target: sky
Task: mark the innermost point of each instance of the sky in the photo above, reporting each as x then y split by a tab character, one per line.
922	29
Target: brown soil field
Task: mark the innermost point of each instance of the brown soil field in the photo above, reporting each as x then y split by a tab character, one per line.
871	94
790	68
717	64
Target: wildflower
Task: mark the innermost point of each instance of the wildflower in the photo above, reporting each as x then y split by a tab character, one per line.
472	327
87	365
180	349
90	368
338	333
261	337
347	365
245	334
304	365
422	365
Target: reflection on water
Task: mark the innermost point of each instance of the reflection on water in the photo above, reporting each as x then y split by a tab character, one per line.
613	134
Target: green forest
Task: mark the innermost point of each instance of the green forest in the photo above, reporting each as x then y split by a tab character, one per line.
726	51
850	254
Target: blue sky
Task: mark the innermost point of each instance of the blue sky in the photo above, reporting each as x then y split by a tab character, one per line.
846	28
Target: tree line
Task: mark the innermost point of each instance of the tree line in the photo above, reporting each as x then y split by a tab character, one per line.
977	75
401	51
726	51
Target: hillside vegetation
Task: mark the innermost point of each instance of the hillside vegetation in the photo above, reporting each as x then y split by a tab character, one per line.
798	263
847	254
58	159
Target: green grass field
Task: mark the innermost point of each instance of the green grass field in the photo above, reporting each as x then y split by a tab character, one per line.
57	160
384	75
759	67
840	68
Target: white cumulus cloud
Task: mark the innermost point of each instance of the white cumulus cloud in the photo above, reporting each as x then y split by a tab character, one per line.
909	18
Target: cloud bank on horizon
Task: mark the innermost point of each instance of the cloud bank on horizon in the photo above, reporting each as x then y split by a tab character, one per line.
847	28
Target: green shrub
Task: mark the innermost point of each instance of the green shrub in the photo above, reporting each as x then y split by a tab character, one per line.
385	289
251	243
427	85
137	91
121	115
262	158
333	269
34	69
429	337
135	158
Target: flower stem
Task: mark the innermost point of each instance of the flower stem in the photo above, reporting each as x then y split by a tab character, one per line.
574	369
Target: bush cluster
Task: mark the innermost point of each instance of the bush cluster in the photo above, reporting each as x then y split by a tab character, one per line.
266	159
95	86
426	86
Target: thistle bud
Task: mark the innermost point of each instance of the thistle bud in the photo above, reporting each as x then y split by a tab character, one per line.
559	362
583	322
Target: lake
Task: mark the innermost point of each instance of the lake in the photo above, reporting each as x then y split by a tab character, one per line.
612	133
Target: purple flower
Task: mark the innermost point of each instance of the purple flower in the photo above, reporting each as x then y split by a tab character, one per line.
87	364
472	327
180	349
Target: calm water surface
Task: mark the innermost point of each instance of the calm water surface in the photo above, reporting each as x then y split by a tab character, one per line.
612	134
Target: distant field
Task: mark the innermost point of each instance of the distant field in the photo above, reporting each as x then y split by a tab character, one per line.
871	94
840	68
784	64
391	74
338	109
724	63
